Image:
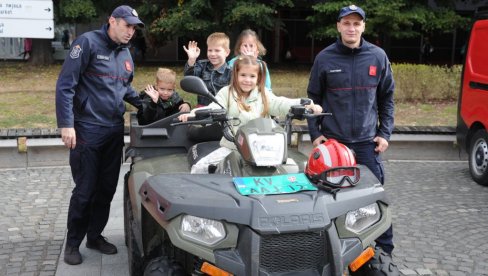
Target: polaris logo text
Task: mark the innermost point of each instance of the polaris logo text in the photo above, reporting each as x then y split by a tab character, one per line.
304	219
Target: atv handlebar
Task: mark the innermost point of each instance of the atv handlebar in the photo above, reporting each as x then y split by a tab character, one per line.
204	116
300	112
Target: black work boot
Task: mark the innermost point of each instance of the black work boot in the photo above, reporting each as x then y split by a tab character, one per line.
101	244
72	255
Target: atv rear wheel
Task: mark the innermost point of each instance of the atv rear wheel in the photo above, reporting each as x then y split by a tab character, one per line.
478	157
126	213
136	262
162	266
380	265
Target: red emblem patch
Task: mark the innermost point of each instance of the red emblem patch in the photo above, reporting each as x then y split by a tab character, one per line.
128	66
372	70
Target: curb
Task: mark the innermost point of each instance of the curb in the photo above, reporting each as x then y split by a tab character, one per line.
22	148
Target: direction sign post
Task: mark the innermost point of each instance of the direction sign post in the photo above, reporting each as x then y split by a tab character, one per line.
33	19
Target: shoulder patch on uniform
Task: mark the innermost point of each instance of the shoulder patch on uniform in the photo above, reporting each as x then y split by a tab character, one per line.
372	70
128	66
75	52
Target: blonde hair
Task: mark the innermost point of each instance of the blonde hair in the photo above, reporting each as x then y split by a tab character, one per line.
241	61
219	39
240	38
166	75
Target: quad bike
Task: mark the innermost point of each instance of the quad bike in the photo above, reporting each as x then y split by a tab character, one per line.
255	212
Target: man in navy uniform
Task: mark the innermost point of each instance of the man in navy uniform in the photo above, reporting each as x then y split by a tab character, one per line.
353	80
93	84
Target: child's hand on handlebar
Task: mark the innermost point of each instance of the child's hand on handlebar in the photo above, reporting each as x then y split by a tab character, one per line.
184	117
317	109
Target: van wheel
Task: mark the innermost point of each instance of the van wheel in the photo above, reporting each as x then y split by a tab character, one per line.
478	157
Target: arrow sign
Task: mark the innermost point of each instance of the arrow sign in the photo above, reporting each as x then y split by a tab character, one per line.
26	9
33	28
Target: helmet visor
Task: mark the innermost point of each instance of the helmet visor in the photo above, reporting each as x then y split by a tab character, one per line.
338	176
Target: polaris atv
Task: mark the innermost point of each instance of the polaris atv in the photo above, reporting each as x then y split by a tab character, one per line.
255	212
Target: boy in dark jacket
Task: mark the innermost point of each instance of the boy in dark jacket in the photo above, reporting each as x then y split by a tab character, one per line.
161	100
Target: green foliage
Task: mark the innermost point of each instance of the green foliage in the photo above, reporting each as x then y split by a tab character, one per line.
400	19
76	11
199	18
424	83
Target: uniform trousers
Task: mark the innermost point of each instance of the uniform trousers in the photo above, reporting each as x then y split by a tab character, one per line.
95	165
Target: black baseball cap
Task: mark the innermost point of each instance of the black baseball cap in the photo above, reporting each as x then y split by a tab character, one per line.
128	14
351	9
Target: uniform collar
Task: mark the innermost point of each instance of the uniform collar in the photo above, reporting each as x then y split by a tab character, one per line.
346	50
110	43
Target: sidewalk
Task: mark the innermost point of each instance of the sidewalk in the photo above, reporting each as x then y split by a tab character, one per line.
95	263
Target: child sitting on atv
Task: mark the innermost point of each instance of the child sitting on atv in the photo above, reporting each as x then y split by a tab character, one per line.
161	100
246	98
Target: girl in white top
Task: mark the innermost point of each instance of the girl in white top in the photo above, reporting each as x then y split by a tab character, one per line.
246	98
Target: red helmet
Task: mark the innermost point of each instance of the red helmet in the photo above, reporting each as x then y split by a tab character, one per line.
334	164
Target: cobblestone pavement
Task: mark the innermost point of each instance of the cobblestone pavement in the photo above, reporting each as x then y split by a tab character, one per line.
440	219
33	209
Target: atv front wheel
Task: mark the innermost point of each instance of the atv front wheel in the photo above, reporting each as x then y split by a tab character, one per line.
380	265
478	157
162	266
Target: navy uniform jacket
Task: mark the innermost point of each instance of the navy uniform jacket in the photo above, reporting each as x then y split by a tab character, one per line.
213	79
356	86
94	82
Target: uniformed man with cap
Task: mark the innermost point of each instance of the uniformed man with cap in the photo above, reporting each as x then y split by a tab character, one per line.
353	80
93	84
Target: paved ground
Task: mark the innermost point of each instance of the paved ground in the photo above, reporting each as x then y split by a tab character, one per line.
33	210
440	222
440	218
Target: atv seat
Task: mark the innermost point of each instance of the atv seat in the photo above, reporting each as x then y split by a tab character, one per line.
198	152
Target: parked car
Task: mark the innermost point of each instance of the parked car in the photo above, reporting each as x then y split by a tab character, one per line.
472	122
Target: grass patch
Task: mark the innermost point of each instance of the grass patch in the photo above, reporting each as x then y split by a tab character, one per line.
28	110
425	95
426	114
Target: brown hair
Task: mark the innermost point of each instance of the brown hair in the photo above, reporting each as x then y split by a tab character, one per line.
240	38
220	39
244	60
165	75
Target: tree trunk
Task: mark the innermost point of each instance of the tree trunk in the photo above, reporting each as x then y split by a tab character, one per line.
42	52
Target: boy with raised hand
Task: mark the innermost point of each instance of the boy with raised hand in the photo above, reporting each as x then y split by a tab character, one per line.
214	71
161	100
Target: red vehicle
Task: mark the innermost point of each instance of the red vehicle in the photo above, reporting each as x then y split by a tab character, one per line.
472	122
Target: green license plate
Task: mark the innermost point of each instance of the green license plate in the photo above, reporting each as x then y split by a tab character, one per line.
272	185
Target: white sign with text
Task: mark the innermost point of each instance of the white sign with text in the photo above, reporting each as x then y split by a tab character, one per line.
26	9
32	28
32	19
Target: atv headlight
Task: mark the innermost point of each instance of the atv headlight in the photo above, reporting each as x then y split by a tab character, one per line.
206	231
362	218
267	150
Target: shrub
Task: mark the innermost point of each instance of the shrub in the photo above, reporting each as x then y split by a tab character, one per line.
426	83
